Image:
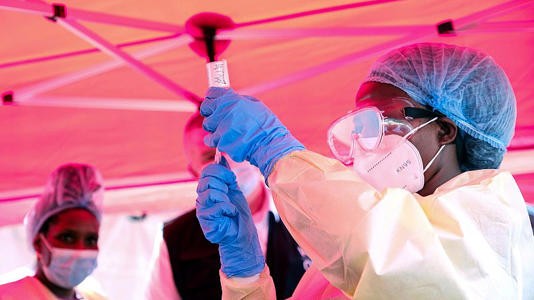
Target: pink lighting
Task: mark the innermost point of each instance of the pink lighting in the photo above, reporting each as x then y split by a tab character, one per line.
27	93
419	34
315	12
289	33
110	49
39	8
247	40
86	51
116	88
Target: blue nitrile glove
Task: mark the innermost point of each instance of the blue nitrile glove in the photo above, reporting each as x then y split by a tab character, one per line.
245	129
225	218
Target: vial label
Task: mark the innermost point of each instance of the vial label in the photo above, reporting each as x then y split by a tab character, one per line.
218	74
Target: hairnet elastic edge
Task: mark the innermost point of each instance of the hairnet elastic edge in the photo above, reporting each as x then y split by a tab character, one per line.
49	214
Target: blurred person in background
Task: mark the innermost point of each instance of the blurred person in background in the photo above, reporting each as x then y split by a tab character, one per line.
186	265
62	227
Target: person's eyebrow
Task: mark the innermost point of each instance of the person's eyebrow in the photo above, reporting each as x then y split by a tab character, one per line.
66	231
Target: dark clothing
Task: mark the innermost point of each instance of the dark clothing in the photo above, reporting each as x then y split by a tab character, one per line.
531	217
195	261
284	259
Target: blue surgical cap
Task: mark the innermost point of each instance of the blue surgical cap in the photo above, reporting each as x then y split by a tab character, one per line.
465	85
69	186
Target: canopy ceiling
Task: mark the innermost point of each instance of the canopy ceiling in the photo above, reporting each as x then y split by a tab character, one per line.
72	102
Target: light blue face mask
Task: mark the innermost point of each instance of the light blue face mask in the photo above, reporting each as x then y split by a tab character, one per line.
68	267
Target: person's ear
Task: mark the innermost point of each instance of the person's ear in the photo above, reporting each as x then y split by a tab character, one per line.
447	130
43	254
37	244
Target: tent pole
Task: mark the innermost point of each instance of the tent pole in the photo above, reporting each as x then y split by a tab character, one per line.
137	65
113	103
85	51
73	13
315	12
287	33
461	23
507	26
29	92
334	64
113	51
284	33
244	34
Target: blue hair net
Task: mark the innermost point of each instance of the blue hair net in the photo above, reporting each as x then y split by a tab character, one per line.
69	186
465	85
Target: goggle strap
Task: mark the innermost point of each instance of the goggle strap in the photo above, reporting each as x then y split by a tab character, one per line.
417	113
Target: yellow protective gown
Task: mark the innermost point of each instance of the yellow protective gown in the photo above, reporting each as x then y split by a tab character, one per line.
30	288
471	239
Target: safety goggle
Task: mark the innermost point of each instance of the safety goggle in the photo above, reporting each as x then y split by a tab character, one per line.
367	126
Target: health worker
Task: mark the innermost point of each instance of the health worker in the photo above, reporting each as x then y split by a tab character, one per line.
414	207
62	227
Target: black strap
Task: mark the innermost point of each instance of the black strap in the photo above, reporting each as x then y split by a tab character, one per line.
416	113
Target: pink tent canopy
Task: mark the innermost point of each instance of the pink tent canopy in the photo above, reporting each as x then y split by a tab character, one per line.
112	83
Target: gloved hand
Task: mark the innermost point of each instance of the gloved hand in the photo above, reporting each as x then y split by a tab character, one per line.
225	218
245	129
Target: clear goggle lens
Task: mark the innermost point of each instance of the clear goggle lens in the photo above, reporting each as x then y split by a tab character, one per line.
364	128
